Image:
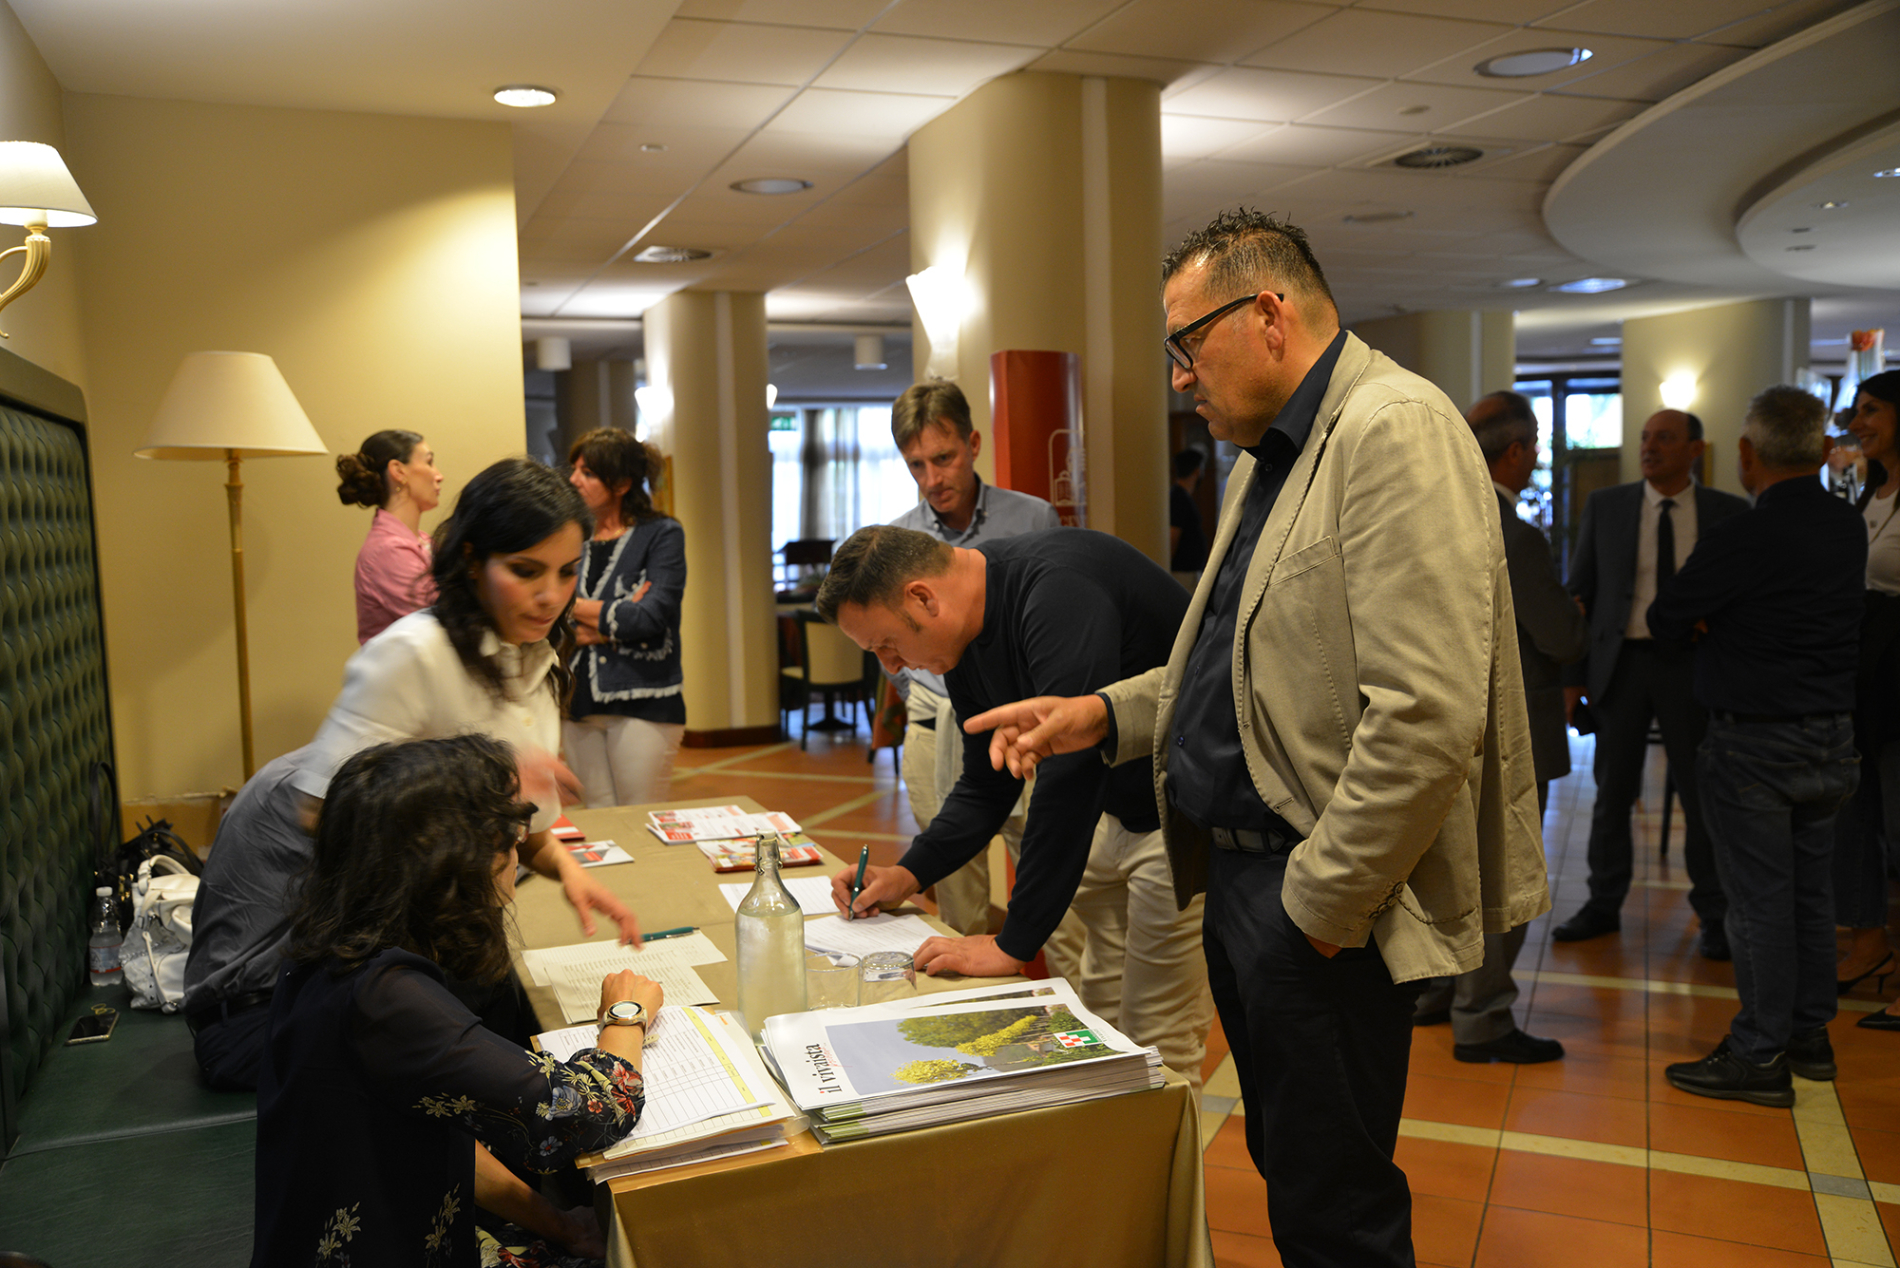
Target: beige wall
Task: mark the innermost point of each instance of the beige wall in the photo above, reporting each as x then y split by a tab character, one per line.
1045	189
1466	353
43	324
374	258
1732	350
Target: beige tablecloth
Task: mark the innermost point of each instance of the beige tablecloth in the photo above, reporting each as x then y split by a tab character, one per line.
1107	1183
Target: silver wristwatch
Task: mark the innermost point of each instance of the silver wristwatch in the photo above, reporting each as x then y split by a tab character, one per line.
625	1013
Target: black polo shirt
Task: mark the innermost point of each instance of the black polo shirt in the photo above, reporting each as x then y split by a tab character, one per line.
1207	771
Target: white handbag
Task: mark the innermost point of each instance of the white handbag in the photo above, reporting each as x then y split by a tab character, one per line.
159	939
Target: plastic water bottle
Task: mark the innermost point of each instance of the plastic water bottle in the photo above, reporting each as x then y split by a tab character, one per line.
102	949
770	932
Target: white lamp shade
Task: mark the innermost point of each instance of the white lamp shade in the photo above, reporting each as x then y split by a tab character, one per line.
220	401
36	188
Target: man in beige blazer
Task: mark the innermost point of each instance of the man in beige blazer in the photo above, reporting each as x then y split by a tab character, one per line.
1341	755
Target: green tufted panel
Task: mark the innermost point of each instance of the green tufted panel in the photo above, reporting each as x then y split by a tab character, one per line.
53	726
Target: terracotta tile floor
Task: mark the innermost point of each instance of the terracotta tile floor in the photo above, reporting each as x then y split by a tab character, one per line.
1591	1161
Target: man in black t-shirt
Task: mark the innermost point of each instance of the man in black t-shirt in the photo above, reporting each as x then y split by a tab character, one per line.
1060	611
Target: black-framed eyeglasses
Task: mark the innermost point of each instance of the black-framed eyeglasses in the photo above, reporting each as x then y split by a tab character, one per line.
1177	343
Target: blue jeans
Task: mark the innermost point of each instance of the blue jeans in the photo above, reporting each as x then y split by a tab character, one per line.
1770	791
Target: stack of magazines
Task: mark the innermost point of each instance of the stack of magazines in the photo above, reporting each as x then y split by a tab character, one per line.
945	1058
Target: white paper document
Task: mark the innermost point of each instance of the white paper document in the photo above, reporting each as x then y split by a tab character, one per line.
862	936
811	893
687	948
576	977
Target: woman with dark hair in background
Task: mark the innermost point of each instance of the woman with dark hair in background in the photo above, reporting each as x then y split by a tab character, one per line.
1860	830
377	1082
394	472
490	657
624	725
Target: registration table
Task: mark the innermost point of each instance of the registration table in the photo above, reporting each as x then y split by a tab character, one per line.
1109	1182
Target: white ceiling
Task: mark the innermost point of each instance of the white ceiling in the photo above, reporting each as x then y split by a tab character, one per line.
1291	105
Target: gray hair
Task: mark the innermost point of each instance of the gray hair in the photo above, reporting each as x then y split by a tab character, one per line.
1788	427
1509	421
875	564
1246	250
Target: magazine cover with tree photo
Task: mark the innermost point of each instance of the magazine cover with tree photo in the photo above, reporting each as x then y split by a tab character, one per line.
888	1054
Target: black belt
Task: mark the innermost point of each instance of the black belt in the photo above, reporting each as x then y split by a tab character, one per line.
1247	841
1723	715
225	1009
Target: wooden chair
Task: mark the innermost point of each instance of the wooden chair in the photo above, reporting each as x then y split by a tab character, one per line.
830	666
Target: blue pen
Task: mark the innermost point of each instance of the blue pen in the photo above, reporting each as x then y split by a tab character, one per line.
857	886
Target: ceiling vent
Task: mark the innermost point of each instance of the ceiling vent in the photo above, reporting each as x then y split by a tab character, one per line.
669	255
1433	157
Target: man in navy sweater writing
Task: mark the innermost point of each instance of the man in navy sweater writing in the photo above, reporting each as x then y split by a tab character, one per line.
1061	611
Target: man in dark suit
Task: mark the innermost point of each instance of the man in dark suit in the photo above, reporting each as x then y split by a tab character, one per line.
1550	633
1633	538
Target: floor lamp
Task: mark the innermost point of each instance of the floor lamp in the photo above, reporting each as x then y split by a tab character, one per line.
231	406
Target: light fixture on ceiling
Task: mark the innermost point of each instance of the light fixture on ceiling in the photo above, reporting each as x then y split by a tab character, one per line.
1832	204
1678	391
1535	61
1520	283
40	192
1887	171
1607	341
771	395
552	352
771	185
653	147
1376	217
868	352
1591	285
525	96
669	255
1433	157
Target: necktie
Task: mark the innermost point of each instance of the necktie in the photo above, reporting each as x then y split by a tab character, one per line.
1665	545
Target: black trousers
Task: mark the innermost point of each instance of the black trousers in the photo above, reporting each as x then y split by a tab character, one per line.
1648	682
1321	1047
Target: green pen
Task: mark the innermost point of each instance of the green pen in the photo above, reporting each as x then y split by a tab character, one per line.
680	932
857	886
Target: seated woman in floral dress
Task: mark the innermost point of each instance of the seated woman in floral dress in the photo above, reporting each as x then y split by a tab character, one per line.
376	1081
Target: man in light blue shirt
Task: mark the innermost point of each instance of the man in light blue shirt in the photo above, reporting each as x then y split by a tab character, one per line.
931	425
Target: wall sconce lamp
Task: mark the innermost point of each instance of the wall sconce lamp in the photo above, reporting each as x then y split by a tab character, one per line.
38	191
941	299
1678	391
226	407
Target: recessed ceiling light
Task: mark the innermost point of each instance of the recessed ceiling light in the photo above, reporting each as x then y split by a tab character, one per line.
1591	285
669	255
1832	204
652	147
1376	217
524	95
1887	171
1536	61
1437	156
1608	341
771	185
1520	283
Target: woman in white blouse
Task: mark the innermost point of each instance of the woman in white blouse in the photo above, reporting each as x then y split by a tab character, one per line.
1860	855
490	655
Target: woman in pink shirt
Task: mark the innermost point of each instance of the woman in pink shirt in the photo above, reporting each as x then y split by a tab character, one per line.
394	472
